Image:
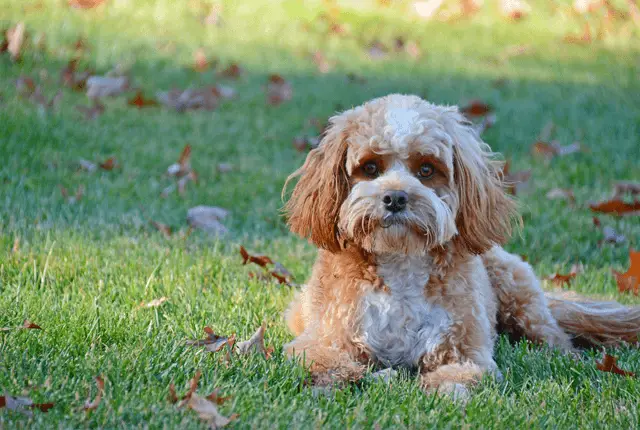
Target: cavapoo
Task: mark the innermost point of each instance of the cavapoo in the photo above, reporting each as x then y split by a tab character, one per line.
406	205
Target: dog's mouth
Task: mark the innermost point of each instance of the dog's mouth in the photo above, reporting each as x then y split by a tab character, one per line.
392	219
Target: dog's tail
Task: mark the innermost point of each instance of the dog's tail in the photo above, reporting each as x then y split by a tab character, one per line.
595	323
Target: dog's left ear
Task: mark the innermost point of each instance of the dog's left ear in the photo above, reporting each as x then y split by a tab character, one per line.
485	211
314	205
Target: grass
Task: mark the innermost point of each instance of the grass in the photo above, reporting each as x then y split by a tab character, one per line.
82	269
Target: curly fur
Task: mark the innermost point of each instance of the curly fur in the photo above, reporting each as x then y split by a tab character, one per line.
428	287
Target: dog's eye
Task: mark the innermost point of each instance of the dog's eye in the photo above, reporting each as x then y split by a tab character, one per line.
370	169
426	170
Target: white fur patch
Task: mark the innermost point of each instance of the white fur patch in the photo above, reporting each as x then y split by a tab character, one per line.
400	326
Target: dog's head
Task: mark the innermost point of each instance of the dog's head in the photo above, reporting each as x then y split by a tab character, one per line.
400	175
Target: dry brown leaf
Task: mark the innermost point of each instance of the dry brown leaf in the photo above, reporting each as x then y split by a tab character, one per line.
232	71
213	342
321	62
91	405
26	325
16	245
616	206
476	108
208	219
611	236
22	404
608	364
278	90
73	79
305	143
172	396
140	101
162	228
216	398
515	182
208	411
260	276
15	37
260	260
106	86
91	112
630	280
87	165
85	4
514	9
580	39
183	166
552	149
190	99
561	194
561	280
200	61
255	344
626	187
109	164
154	303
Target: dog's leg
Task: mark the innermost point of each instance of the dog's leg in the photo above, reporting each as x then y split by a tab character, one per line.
522	307
329	365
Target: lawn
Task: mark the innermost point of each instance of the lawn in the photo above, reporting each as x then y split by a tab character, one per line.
80	269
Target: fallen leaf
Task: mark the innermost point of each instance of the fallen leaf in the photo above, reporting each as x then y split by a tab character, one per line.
208	411
106	86
109	164
255	343
26	325
608	364
581	39
550	150
278	90
25	86
305	143
87	165
321	62
377	50
172	397
20	404
85	4
515	182
183	166
260	260
74	198
15	37
596	221
73	79
260	276
91	112
162	228
476	108
200	61
16	245
559	279
140	101
232	71
616	206
190	99
611	236
154	303
561	194
630	280
626	187
216	398
208	218
213	342
514	9
91	405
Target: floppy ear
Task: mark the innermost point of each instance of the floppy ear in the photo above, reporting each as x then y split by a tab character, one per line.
485	211
314	205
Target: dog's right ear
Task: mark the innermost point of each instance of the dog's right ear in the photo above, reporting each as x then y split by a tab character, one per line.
314	206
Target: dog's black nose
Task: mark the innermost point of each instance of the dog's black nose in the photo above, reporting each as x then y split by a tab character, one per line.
395	201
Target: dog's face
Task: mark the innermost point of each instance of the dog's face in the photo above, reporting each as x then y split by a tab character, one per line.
400	175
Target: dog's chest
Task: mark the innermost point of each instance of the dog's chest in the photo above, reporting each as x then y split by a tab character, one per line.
398	325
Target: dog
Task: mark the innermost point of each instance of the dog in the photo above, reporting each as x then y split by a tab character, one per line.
406	205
